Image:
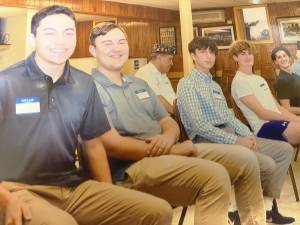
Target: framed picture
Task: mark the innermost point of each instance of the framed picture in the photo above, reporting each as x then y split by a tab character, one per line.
289	29
167	36
222	35
195	31
253	24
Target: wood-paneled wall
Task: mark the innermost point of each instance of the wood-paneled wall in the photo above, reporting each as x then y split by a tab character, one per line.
142	34
100	7
141	24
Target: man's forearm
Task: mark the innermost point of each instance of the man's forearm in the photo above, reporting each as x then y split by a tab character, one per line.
97	160
4	196
125	148
170	128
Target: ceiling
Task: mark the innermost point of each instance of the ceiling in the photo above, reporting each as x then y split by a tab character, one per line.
196	4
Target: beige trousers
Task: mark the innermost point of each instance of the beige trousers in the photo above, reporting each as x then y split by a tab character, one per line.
185	181
91	203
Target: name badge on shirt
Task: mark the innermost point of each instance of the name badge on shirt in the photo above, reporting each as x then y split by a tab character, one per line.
27	105
217	94
142	93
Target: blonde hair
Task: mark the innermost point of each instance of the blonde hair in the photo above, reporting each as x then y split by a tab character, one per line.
240	46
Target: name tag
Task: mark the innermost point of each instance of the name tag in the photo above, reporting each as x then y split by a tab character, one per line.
142	94
217	94
27	105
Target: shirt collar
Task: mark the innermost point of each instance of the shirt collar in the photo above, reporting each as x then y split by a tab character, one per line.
243	74
34	72
155	70
198	74
283	72
105	81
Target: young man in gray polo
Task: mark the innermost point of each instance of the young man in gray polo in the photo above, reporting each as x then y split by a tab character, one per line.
45	105
143	149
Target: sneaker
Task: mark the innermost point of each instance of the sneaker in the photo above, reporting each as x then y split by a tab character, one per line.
274	217
234	218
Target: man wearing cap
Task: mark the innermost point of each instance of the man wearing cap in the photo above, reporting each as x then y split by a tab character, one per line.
154	73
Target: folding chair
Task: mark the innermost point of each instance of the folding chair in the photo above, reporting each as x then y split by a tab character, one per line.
241	117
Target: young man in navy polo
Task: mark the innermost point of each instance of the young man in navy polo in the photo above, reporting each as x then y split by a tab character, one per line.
46	105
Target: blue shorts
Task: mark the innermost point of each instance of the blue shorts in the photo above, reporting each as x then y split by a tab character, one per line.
273	130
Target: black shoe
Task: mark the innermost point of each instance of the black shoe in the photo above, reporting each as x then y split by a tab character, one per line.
274	217
234	218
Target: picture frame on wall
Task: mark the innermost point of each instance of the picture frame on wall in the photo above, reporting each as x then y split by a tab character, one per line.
252	24
289	29
222	35
167	36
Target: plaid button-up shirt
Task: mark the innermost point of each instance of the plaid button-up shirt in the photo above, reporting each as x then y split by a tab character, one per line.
204	111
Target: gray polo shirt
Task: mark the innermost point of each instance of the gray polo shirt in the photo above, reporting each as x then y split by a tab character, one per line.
132	108
40	122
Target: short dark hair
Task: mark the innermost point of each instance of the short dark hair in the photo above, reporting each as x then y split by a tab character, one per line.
203	43
102	29
48	11
277	49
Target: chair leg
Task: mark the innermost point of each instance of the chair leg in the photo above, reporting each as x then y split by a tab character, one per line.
297	151
182	216
291	172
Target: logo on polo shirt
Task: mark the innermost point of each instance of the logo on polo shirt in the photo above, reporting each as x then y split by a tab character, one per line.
27	105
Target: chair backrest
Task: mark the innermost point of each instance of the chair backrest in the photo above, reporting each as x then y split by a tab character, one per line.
183	134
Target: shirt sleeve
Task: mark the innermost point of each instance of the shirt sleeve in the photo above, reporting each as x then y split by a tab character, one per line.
241	88
95	122
150	79
189	104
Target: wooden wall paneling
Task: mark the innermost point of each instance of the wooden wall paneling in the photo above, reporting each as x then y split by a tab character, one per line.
104	8
82	46
142	34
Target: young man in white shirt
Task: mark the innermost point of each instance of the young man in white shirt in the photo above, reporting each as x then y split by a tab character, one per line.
266	117
155	74
253	96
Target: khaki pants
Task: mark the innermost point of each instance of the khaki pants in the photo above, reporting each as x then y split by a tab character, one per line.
193	180
184	181
279	154
91	203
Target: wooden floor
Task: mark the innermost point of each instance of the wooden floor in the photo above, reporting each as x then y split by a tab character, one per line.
287	203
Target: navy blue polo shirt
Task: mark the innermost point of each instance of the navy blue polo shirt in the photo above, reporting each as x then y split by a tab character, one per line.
41	121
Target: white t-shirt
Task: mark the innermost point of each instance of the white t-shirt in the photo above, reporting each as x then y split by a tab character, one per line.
244	85
159	82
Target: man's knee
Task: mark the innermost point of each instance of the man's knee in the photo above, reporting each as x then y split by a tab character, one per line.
158	212
65	219
218	179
